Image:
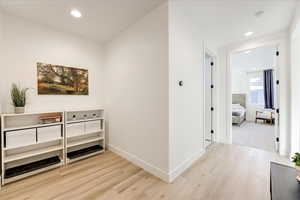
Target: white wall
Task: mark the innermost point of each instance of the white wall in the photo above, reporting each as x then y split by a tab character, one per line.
27	43
1	57
295	82
137	92
187	102
283	69
143	71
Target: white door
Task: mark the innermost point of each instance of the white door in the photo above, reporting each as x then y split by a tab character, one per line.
208	100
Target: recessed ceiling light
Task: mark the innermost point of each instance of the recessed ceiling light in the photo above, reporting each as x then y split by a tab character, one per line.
76	13
248	33
247	52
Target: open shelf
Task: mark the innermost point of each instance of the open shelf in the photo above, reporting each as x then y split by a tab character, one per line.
19	161
86	134
23	169
85	156
84	153
31	153
31	113
32	145
78	146
84	141
27	143
84	120
32	172
32	126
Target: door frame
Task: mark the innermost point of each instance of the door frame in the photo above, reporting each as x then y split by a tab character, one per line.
229	90
207	50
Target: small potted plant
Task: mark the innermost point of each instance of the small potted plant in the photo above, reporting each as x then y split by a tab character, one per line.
296	160
18	97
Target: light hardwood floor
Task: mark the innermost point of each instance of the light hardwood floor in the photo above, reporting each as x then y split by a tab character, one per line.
225	172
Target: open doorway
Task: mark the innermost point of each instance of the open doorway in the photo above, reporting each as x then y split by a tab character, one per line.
254	98
209	65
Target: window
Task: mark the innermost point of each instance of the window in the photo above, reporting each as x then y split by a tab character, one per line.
256	88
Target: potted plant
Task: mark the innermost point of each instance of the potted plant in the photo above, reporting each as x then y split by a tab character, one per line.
18	97
296	160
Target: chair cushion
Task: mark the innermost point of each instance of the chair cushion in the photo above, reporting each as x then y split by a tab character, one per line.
265	115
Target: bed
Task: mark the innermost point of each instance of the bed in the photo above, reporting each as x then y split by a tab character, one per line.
238	109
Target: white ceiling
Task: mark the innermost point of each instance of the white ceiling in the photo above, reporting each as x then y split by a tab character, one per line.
220	21
102	19
257	59
225	21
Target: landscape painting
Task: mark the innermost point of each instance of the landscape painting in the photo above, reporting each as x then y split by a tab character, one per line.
62	80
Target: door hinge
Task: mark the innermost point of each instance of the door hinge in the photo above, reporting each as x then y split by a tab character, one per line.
212	108
277	53
277	82
277	110
277	139
212	86
212	131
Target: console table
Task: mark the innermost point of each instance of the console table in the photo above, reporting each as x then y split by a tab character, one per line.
283	183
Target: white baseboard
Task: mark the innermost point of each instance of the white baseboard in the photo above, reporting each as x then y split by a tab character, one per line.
163	175
141	163
225	140
185	165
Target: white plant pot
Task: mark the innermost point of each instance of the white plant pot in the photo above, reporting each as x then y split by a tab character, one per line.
298	169
19	110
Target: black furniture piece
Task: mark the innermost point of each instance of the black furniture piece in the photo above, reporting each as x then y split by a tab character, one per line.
283	183
16	171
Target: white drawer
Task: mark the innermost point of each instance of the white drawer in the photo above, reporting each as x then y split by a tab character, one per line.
93	126
20	138
49	133
75	129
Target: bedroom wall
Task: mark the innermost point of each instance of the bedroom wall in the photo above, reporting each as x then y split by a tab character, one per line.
239	81
136	71
27	43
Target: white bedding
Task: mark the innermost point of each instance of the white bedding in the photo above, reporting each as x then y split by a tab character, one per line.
238	110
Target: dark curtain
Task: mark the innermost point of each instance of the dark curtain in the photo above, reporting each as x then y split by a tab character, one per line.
269	89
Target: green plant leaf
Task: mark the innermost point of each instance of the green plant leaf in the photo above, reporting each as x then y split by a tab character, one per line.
18	95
